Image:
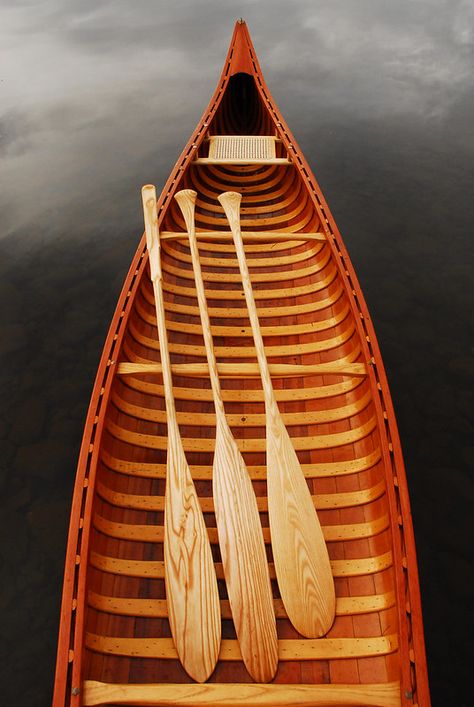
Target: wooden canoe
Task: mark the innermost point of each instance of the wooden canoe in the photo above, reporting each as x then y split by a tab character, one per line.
115	645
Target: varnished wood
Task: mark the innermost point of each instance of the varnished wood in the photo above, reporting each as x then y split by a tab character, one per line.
288	649
244	695
127	606
155	570
198	444
321	501
191	585
246	370
247	236
238	522
328	390
156	533
257	473
250	420
236	352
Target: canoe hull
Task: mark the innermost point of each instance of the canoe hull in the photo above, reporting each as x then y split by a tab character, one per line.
114	627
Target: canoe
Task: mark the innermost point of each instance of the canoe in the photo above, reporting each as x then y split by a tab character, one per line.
115	644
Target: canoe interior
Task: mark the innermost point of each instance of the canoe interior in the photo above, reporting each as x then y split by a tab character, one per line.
336	423
331	419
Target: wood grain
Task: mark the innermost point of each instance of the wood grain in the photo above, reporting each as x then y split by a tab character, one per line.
249	370
242	695
299	549
191	583
288	649
238	521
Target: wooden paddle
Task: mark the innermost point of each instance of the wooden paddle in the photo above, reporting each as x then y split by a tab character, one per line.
299	550
238	522
190	577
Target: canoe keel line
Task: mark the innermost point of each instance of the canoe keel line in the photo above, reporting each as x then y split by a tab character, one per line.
240	513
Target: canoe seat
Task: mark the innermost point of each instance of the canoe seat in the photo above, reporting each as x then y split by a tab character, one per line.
242	149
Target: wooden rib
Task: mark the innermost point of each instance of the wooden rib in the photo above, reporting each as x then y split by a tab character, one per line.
299	211
216	178
321	501
198	444
259	245
238	522
242	695
155	569
208	419
284	350
248	370
155	533
243	331
273	276
191	584
210	188
215	261
257	473
264	294
157	608
288	649
281	310
191	393
248	236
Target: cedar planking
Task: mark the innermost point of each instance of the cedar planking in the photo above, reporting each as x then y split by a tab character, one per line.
115	641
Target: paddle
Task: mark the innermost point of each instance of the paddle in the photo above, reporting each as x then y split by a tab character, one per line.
299	550
238	521
190	578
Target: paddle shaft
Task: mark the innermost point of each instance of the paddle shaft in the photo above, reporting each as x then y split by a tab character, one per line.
186	200
238	521
299	550
190	578
231	204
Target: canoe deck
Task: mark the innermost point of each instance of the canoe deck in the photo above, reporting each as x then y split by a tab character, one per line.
332	393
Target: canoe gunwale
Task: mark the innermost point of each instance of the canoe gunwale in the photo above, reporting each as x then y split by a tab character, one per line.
414	684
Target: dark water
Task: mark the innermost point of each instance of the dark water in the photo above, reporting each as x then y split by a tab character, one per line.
98	99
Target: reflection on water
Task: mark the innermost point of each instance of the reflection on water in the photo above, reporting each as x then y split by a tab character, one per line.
98	100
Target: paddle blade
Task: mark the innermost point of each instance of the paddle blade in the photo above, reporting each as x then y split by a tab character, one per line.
244	558
299	550
190	578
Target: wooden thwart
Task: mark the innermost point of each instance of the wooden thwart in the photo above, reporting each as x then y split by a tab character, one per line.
247	370
242	695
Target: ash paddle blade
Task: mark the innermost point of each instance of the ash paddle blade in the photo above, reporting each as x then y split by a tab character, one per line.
244	559
191	584
299	550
